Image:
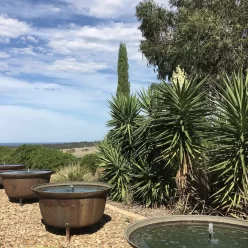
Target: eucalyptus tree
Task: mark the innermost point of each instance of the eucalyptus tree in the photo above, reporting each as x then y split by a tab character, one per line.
203	37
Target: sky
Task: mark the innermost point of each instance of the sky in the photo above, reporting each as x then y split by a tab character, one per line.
58	66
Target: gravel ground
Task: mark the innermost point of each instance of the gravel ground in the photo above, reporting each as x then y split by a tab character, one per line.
137	209
21	227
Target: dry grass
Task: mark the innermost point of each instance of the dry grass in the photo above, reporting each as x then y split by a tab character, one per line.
73	172
81	151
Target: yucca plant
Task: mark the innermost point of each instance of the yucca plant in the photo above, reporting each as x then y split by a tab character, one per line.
180	125
230	156
152	183
125	114
143	144
116	169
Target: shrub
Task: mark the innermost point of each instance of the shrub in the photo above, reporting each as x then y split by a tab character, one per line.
6	154
39	157
116	170
230	158
73	172
91	161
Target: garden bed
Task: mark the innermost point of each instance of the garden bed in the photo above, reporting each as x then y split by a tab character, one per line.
140	210
21	227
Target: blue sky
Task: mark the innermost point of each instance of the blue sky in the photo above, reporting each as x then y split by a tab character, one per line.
58	66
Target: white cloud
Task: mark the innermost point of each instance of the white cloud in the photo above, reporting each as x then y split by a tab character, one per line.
25	51
31	9
12	28
38	125
66	9
99	42
29	38
72	65
4	55
109	9
41	65
84	97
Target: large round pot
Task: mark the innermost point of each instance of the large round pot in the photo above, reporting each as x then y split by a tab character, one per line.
72	204
17	184
8	167
194	231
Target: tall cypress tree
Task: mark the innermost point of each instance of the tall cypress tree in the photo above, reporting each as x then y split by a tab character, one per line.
123	83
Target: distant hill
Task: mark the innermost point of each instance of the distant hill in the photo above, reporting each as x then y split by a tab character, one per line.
72	145
68	145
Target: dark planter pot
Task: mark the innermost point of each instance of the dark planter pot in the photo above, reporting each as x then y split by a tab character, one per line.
8	167
18	184
72	204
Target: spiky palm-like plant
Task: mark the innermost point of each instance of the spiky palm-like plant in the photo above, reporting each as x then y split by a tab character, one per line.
152	183
230	157
125	114
116	170
180	125
143	142
116	152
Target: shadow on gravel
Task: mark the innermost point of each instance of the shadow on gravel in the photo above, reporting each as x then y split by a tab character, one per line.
24	202
77	231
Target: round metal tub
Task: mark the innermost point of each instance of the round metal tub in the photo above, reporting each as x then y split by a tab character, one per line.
8	167
17	184
187	231
72	204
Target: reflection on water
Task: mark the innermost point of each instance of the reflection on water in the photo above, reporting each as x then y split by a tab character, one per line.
16	172
189	236
74	189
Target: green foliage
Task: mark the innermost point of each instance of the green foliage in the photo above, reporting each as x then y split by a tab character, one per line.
203	37
180	122
153	138
120	155
39	157
73	172
91	161
152	184
230	156
6	154
116	170
123	87
125	120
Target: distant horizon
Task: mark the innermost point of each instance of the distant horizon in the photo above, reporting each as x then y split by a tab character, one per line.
38	143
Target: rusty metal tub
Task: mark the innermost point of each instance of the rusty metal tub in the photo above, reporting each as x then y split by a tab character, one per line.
9	167
17	184
72	204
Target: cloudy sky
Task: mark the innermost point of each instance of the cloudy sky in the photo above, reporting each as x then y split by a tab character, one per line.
58	63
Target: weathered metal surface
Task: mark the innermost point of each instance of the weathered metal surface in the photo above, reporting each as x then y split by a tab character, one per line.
181	219
8	167
18	186
73	209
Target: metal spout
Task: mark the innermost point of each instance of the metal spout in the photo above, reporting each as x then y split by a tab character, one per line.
210	231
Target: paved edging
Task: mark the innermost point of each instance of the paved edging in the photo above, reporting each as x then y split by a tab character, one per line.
126	213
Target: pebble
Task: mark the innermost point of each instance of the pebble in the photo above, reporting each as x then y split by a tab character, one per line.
21	227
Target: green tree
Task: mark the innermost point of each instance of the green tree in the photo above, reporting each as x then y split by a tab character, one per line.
123	83
40	157
203	37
